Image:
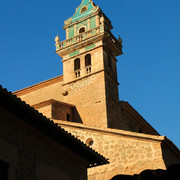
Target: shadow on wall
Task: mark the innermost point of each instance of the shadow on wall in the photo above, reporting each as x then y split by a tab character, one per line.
170	156
76	116
172	173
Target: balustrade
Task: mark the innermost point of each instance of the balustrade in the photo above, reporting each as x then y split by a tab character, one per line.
88	69
83	36
79	38
77	73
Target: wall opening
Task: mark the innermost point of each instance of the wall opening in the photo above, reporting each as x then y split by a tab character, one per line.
88	60
81	30
89	142
84	9
77	67
76	64
88	63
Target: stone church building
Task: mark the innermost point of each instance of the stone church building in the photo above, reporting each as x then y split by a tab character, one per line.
85	100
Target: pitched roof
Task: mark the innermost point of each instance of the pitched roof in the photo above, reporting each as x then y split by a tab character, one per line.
31	116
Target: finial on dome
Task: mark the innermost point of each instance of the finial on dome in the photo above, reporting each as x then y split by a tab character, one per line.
57	39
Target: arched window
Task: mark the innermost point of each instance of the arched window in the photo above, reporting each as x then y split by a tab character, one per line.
88	63
81	30
88	60
76	64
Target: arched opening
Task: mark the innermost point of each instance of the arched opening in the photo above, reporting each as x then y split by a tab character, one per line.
81	30
88	60
88	63
77	67
84	9
76	64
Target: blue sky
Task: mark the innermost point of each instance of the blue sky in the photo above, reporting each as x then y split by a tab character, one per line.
148	71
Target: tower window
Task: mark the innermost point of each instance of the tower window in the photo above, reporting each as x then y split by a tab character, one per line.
76	64
81	30
84	9
4	170
88	63
88	60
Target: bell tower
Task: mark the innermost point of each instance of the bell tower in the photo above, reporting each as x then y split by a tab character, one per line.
89	66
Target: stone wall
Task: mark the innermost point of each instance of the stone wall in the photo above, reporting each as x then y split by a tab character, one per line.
89	96
55	110
61	111
46	111
87	92
129	153
34	156
42	92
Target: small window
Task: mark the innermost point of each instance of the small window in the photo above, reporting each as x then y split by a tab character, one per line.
68	117
81	30
84	9
4	170
89	142
76	64
88	60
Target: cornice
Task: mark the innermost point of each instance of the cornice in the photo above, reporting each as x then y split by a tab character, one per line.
111	131
79	45
73	81
50	102
80	53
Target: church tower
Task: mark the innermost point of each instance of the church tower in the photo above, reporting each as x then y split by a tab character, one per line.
89	66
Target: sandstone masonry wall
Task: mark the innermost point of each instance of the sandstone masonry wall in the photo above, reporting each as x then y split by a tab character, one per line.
129	153
89	96
52	91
